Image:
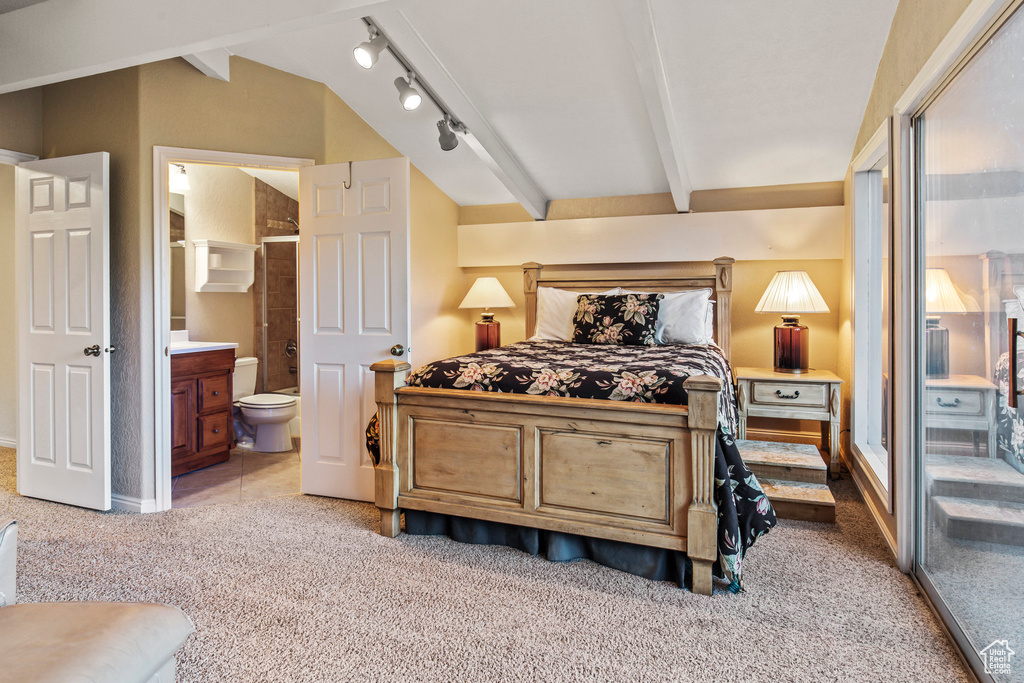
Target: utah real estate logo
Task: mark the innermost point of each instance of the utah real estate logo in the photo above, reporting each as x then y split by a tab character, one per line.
997	658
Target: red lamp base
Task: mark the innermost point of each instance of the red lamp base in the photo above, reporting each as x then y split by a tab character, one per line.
792	345
488	333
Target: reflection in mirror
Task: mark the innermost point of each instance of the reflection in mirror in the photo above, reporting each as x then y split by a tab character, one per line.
177	261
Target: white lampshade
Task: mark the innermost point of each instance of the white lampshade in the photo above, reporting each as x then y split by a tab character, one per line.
485	293
791	291
940	294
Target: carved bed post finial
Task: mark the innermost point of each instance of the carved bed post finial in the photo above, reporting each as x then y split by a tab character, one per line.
531	273
388	376
702	516
723	299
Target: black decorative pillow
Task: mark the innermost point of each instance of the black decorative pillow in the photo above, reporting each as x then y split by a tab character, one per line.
620	319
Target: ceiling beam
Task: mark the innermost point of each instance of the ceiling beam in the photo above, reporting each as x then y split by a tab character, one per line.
481	138
63	39
642	33
213	63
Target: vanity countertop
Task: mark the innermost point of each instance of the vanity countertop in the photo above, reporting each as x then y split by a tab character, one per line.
197	346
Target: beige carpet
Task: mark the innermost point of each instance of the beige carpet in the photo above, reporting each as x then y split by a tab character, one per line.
298	588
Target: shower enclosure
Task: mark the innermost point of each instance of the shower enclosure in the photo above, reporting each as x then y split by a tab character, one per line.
280	323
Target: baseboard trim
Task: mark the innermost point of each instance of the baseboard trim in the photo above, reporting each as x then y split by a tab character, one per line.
8	443
130	504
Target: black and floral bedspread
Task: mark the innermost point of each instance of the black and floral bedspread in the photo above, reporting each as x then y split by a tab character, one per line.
622	373
1009	421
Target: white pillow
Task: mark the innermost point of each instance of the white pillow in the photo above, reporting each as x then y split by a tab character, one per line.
684	317
1019	291
555	310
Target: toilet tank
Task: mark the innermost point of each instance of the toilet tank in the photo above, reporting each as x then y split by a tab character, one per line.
244	383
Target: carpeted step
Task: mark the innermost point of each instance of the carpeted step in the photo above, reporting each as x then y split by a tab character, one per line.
979	520
958	476
800	500
784	461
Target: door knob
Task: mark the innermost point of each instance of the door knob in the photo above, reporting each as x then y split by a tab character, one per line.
397	350
110	349
93	350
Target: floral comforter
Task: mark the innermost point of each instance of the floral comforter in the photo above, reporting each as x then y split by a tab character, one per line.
1009	421
649	374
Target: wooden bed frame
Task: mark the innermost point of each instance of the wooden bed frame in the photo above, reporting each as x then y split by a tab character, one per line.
636	472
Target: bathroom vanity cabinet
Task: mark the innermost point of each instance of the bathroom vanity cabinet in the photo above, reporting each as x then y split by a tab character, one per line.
202	422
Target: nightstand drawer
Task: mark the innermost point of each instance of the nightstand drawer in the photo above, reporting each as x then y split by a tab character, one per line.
943	401
797	395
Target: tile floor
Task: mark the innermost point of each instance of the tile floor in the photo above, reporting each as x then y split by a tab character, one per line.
245	476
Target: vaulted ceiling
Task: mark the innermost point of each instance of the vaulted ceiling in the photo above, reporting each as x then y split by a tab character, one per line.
562	98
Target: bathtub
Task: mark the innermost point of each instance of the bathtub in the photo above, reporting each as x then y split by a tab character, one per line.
296	423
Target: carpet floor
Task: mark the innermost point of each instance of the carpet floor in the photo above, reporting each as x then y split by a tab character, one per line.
301	588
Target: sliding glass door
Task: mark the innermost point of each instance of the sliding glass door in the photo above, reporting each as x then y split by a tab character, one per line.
970	468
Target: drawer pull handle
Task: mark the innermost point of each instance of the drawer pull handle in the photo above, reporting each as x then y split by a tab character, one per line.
794	395
216	431
943	404
216	393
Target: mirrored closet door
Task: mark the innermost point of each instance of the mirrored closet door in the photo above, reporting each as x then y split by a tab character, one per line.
970	279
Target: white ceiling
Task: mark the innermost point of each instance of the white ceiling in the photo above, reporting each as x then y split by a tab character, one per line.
762	93
562	98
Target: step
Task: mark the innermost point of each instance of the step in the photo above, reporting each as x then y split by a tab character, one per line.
960	476
979	520
800	500
784	461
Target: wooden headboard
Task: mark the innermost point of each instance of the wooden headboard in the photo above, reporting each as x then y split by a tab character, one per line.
649	277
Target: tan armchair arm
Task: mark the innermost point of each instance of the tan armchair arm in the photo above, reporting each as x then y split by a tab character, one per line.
8	561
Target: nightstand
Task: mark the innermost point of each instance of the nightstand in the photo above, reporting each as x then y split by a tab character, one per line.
962	402
811	395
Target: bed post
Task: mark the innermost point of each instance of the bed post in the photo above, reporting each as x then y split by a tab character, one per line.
702	517
723	301
388	376
531	272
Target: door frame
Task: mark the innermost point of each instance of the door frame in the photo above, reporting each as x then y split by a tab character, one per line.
162	156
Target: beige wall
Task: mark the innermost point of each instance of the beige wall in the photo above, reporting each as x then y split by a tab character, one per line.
8	312
218	206
918	27
21	121
96	114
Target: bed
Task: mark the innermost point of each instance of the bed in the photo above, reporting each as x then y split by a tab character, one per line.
1003	290
627	471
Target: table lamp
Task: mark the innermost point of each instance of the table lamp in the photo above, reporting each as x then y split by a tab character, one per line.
940	297
791	292
487	293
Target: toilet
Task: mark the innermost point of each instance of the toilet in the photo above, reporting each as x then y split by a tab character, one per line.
261	420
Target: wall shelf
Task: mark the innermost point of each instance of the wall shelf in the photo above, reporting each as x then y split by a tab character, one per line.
224	266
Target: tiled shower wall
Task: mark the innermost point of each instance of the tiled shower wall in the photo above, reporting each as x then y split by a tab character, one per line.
272	209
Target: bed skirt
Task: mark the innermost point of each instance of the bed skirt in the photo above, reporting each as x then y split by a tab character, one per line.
657	564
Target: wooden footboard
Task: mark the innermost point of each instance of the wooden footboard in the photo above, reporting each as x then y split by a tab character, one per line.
635	472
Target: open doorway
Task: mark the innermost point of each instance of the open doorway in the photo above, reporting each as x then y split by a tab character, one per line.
226	288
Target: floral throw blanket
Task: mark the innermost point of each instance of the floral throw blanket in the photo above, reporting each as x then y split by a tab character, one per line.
1009	421
648	374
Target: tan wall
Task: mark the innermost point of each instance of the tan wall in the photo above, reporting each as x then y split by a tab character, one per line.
8	312
21	121
95	114
218	206
21	130
918	27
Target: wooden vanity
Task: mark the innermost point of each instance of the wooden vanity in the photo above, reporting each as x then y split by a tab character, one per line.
202	424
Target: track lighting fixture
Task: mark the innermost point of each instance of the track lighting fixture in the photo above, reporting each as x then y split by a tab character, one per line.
408	95
366	53
448	139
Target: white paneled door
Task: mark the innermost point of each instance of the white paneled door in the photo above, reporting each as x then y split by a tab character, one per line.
354	293
63	294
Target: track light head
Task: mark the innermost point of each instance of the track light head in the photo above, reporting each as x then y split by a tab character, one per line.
447	138
408	95
366	53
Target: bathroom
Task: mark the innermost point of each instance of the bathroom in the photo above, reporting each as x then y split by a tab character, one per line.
234	284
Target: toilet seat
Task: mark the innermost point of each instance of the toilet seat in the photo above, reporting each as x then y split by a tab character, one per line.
267	401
